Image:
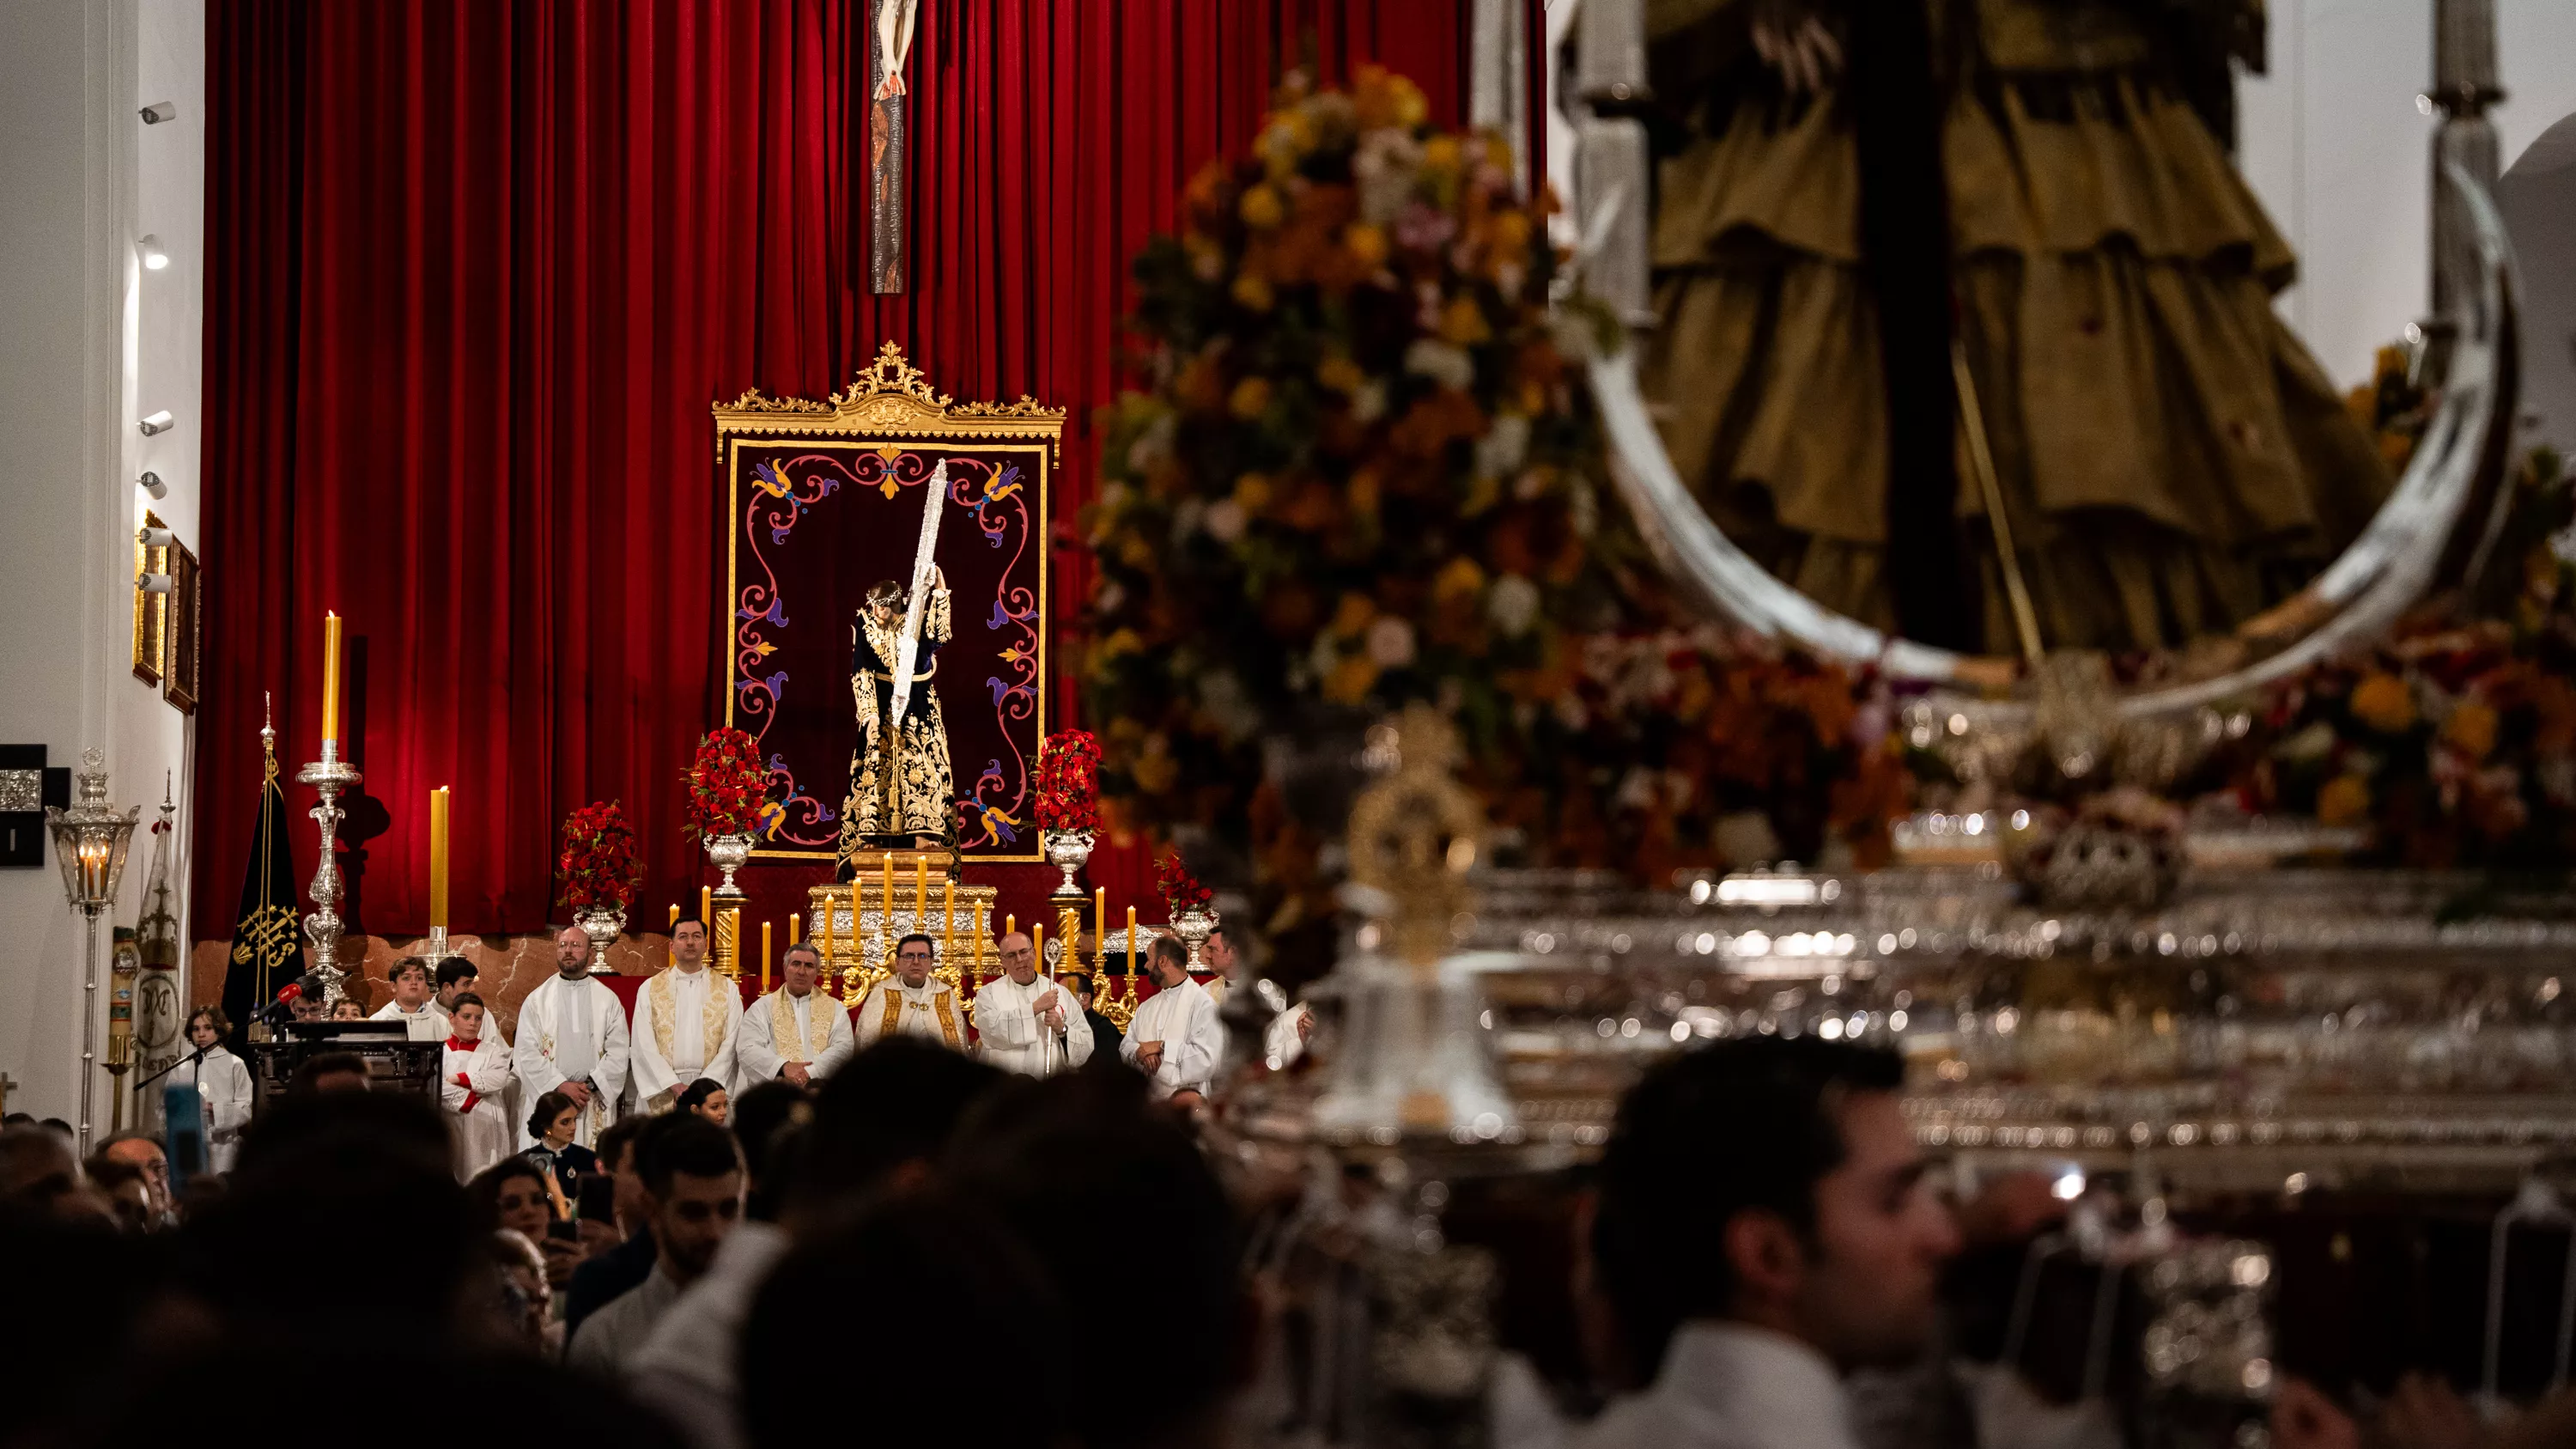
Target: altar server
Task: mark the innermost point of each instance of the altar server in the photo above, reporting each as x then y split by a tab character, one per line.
473	1075
456	977
1174	1037
1026	1023
797	1033
688	1022
572	1039
912	1002
222	1079
411	1005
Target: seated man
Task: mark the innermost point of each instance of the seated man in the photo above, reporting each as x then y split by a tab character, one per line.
1763	1229
693	1181
913	1002
799	1033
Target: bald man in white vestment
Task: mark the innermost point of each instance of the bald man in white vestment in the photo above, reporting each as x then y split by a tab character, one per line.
1026	1023
572	1039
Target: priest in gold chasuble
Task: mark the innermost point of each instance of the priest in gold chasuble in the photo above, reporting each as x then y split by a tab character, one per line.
907	796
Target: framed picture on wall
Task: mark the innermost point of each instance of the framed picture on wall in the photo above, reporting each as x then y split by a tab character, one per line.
151	611
179	659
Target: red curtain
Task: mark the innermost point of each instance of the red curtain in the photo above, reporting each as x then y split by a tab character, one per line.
475	272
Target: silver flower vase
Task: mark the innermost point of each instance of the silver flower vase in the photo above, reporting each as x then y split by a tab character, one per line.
601	924
1066	850
1194	924
730	853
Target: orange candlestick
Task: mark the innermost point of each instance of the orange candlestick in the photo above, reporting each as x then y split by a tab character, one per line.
764	957
707	907
330	676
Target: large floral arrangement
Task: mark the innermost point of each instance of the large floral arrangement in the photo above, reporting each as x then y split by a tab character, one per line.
1068	781
597	862
1366	474
1181	890
726	785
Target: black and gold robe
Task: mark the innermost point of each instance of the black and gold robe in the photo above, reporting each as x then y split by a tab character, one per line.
925	788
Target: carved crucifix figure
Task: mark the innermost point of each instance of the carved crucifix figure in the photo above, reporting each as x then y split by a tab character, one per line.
889	130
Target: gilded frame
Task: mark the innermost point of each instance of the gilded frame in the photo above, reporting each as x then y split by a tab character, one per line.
180	657
151	611
890	402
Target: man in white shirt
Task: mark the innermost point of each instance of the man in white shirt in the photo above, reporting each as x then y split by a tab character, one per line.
1763	1229
913	1002
687	1022
1026	1023
1174	1037
422	1020
797	1033
572	1039
693	1175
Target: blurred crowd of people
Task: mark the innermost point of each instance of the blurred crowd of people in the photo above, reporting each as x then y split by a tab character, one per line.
925	1247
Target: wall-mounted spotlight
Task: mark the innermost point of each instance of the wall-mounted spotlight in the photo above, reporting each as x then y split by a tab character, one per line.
154	257
152	583
151	483
159	422
159	111
151	536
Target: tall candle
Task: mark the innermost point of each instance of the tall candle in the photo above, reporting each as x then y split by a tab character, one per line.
438	858
330	676
823	938
764	956
675	917
947	917
795	924
1037	942
920	892
887	935
1131	945
707	907
979	937
1099	925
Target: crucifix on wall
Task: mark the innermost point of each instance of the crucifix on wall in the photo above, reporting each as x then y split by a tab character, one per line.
889	131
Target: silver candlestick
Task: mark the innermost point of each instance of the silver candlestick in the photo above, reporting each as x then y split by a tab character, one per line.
329	776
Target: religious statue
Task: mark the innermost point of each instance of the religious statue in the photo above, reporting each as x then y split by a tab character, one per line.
1915	261
910	800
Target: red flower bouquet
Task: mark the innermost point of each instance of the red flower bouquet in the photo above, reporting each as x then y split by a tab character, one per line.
726	785
1181	890
598	863
1068	783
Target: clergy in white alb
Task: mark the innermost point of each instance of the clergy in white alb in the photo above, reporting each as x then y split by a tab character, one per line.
572	1039
1026	1023
420	1016
797	1033
222	1081
1174	1038
474	1076
687	1021
912	1002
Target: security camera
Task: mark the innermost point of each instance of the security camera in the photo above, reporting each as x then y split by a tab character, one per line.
159	422
151	483
159	111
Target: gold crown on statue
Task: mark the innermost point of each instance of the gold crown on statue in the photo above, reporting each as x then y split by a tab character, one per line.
1415	835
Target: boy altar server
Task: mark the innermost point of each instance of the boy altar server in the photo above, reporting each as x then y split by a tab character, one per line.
473	1076
1026	1023
687	1022
1174	1037
798	1033
912	1002
572	1039
420	1016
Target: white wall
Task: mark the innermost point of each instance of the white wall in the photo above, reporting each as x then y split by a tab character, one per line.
2333	141
89	342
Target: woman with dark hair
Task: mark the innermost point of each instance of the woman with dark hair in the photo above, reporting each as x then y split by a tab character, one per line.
511	1194
553	1121
707	1098
222	1079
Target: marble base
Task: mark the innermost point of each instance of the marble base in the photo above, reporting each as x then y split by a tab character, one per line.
510	966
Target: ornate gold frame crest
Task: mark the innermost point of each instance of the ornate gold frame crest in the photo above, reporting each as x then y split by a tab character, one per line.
890	403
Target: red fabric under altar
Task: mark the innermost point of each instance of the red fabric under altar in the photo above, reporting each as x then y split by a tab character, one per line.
474	274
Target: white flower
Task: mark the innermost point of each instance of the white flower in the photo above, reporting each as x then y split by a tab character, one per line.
1512	604
1442	362
1390	642
1504	445
1385	166
1224	520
